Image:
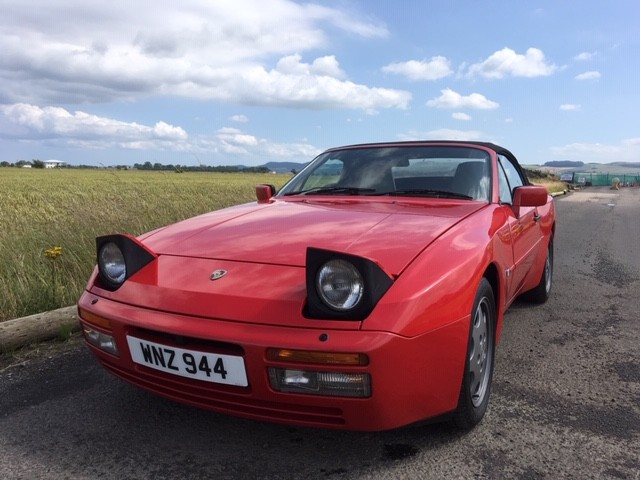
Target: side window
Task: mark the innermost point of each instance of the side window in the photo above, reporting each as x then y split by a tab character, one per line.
503	183
509	178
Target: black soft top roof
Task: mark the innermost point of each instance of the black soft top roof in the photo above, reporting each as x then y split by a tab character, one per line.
496	148
416	143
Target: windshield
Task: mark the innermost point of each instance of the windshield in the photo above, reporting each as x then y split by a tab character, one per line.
432	171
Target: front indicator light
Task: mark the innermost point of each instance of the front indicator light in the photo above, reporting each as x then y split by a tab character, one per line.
101	340
87	316
324	358
336	384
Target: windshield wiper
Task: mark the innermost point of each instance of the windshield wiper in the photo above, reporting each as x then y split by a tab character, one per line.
425	192
333	191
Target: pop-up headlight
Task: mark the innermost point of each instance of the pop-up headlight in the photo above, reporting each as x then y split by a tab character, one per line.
342	286
119	257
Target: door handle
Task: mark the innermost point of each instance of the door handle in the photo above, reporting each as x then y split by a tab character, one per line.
536	217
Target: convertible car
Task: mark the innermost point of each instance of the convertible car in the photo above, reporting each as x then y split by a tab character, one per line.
367	294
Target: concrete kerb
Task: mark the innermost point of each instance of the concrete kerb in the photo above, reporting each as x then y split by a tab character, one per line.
38	328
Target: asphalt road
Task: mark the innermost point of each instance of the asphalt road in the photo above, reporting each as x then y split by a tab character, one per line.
565	404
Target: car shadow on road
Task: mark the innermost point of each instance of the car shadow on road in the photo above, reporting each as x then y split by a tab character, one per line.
215	442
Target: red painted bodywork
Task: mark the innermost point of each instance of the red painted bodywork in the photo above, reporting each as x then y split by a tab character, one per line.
435	250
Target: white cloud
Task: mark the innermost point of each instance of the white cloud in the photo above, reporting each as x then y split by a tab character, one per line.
569	107
327	66
452	99
305	151
434	69
591	75
344	20
233	141
236	137
323	66
239	118
461	116
584	56
226	51
632	142
33	122
451	134
627	150
442	134
507	62
59	127
164	130
291	84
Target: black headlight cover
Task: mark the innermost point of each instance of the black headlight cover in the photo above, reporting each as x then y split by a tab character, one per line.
376	283
136	256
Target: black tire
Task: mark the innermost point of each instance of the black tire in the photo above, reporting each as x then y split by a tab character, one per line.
541	292
478	366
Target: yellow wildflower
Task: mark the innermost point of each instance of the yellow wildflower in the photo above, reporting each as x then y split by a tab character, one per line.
53	253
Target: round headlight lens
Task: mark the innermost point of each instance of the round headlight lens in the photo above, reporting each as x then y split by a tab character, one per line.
111	263
339	284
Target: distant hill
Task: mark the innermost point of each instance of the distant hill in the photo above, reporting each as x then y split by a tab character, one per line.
284	167
626	164
622	168
564	164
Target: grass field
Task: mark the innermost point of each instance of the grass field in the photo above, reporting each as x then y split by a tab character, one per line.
549	180
44	209
41	210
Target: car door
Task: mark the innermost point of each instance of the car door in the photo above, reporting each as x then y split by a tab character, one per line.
525	228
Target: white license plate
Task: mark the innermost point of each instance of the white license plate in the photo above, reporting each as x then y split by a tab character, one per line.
209	367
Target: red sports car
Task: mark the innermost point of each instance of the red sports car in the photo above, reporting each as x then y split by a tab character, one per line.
367	294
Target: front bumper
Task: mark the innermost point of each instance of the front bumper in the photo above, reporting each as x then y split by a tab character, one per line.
411	378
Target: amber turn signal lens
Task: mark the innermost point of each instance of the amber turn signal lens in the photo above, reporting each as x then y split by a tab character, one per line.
321	358
94	319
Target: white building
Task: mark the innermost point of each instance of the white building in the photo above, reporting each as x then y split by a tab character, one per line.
53	163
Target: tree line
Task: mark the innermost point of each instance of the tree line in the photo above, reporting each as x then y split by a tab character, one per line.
150	166
21	163
199	168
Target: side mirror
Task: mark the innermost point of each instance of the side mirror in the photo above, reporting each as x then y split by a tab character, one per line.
529	196
264	192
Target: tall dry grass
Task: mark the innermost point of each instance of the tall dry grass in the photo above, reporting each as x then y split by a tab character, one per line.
68	208
549	180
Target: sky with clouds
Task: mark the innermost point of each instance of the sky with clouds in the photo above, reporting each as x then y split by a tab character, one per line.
227	82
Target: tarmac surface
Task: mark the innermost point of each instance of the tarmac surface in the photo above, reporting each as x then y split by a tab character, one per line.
565	400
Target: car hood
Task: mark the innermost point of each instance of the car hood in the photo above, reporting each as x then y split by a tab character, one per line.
387	231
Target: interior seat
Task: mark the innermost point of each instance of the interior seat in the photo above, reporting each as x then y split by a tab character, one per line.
471	179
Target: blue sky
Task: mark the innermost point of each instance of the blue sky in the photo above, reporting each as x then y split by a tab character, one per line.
226	82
